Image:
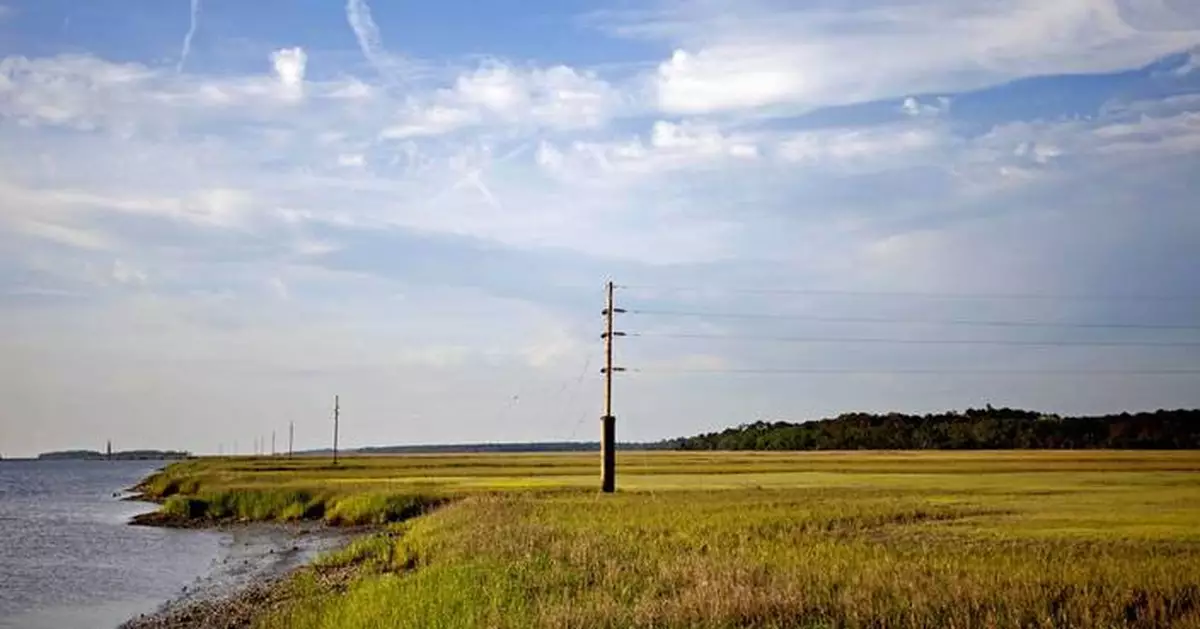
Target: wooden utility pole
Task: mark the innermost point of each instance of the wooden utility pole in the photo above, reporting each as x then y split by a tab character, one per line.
291	437
272	443
608	443
108	451
336	410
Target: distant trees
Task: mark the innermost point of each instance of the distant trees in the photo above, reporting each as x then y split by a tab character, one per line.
127	455
973	429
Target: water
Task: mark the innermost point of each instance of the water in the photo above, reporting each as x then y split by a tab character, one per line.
67	557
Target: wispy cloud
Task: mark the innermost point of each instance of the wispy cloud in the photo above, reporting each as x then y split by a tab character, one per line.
187	39
358	14
767	54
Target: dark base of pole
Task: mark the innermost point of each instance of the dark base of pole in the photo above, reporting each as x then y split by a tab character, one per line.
608	454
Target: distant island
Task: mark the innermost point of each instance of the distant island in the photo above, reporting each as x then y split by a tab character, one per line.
128	455
974	429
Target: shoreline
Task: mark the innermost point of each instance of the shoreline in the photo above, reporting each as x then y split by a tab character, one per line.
255	563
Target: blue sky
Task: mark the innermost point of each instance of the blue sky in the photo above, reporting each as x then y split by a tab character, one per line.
216	215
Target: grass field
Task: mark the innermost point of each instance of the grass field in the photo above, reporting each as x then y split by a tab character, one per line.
829	539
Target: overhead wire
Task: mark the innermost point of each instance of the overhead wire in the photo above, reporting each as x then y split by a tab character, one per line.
901	341
890	372
900	320
575	395
910	294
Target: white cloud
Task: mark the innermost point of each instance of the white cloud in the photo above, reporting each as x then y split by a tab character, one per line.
1191	65
556	346
557	97
667	147
215	206
1135	135
128	275
870	147
279	288
65	235
87	93
914	107
548	156
70	90
761	54
191	33
352	160
289	65
719	79
353	90
431	121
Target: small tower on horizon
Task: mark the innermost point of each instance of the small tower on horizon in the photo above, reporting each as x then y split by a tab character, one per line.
108	451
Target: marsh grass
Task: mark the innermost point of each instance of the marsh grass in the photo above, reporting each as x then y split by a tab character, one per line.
1030	539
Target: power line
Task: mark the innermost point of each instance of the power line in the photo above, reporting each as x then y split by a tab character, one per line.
915	294
886	320
922	372
1002	342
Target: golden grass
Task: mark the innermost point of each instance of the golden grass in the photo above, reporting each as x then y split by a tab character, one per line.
870	539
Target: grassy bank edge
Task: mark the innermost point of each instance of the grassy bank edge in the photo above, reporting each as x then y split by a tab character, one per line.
376	520
186	501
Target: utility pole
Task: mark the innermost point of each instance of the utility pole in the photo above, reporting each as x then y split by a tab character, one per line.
272	443
108	451
608	443
336	410
291	437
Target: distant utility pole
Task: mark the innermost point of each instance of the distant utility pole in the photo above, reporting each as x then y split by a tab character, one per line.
108	451
272	443
608	443
291	437
336	410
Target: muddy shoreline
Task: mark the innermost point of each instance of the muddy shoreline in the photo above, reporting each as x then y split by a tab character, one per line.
248	576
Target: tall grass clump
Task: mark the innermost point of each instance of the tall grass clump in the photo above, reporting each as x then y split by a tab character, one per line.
379	508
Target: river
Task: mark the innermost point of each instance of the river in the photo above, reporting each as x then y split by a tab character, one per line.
69	559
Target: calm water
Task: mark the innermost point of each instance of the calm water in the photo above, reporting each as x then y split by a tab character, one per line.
67	557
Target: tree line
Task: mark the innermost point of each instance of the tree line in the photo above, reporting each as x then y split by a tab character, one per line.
125	455
980	429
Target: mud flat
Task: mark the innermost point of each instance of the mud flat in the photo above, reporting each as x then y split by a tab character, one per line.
247	577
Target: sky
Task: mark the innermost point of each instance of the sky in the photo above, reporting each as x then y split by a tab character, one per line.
215	216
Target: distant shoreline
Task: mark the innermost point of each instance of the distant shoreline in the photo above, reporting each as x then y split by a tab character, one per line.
128	455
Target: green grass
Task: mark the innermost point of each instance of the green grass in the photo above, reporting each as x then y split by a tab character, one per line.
723	540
